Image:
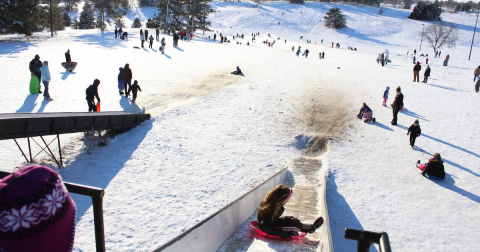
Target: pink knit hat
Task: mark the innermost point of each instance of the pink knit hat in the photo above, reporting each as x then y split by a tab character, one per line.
36	212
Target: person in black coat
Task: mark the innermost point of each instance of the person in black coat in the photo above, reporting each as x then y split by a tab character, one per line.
397	105
92	92
127	79
116	32
414	131
416	71
34	67
135	88
68	59
270	210
237	72
426	74
434	167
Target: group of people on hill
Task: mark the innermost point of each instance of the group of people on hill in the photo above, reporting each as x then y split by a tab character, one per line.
144	37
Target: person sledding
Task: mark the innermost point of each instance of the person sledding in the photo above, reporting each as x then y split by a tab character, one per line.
237	72
270	212
366	113
68	64
434	168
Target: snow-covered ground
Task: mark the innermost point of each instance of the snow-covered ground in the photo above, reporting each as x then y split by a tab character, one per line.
214	136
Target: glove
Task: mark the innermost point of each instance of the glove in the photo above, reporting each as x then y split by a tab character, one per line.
288	234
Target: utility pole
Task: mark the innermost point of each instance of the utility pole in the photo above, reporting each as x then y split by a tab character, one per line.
423	29
51	20
478	12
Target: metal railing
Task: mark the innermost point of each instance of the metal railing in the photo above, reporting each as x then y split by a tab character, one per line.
366	238
97	199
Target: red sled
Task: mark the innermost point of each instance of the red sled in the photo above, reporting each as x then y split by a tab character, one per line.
254	226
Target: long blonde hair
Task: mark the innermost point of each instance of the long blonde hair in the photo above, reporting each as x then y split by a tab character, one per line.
273	201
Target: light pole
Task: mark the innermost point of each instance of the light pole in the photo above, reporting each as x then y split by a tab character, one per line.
423	29
478	12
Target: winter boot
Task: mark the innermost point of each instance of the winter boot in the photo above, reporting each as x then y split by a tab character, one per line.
418	163
373	120
312	228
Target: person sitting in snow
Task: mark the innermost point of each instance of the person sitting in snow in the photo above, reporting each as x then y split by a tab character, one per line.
237	72
366	113
434	168
270	210
414	130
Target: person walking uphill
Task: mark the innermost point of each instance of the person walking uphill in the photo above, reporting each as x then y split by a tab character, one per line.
92	92
271	209
135	89
414	131
397	105
127	78
46	80
34	67
416	71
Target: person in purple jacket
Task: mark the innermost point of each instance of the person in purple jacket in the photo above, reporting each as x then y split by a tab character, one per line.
366	113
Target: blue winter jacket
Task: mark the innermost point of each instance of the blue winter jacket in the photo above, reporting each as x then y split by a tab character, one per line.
385	94
45	73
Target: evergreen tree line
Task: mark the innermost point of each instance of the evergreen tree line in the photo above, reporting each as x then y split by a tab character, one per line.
28	16
190	15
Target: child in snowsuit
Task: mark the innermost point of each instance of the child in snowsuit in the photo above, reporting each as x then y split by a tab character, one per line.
270	210
414	131
366	113
434	169
135	88
385	96
121	86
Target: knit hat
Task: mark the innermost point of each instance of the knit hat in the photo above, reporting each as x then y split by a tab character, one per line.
37	57
36	212
416	121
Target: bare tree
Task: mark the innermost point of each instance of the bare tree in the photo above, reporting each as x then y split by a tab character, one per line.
441	34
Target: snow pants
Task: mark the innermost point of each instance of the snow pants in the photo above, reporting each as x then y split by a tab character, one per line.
91	106
384	102
477	86
395	110
416	76
412	139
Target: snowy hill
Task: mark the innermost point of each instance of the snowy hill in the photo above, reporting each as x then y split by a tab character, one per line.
213	136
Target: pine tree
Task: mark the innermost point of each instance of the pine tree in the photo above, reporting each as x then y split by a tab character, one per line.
21	16
70	4
146	3
87	17
176	17
136	23
66	19
57	17
335	19
198	12
426	11
112	8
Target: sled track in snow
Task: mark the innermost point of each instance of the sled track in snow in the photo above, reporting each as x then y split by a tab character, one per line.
204	87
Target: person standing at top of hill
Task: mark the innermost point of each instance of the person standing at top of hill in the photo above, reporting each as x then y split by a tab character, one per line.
116	32
416	71
146	34
397	105
415	52
127	78
306	52
151	41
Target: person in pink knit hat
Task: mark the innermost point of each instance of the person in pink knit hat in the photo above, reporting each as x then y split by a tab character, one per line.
36	212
